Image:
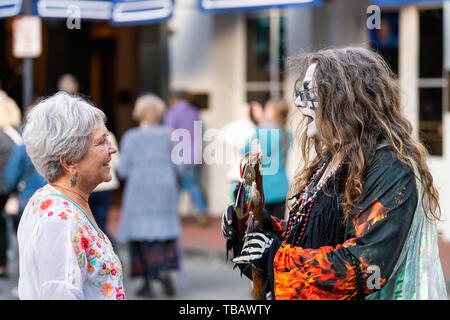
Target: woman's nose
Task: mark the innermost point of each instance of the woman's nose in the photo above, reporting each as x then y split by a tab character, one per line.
112	147
299	103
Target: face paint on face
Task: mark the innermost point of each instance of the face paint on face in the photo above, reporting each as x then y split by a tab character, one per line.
306	106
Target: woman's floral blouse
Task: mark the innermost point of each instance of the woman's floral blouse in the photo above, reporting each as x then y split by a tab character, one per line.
61	255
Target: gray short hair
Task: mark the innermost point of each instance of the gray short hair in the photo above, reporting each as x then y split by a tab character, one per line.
149	107
59	125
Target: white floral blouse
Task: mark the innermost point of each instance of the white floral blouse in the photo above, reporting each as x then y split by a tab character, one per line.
61	254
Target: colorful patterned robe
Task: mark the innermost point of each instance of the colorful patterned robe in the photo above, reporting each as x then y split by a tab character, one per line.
374	237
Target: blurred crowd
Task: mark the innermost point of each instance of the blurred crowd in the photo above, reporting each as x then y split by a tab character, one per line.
149	181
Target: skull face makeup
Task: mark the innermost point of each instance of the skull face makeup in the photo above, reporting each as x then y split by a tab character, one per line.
306	101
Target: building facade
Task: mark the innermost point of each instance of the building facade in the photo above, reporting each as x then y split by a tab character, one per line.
228	57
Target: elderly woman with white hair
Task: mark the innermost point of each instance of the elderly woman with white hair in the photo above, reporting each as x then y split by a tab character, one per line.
149	221
62	252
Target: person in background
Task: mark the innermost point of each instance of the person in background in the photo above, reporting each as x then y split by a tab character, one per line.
63	254
101	198
275	141
257	113
235	135
68	83
22	177
149	221
183	115
10	118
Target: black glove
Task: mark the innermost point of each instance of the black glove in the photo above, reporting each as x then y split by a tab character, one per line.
256	248
228	216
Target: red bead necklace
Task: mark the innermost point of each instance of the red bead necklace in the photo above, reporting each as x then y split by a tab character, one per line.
296	216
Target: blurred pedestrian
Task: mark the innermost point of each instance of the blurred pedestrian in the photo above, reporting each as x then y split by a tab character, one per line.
275	141
235	135
10	117
183	115
22	177
149	222
63	254
68	83
257	113
101	198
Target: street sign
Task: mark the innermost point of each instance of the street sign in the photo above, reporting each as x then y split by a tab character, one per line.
27	37
10	8
86	9
141	11
228	5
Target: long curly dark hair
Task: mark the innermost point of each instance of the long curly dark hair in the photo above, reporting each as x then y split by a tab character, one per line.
359	105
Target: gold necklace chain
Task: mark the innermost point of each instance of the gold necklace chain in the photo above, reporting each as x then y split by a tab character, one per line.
72	192
84	211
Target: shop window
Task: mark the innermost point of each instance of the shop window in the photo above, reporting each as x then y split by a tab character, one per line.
430	114
385	39
431	44
432	84
259	96
200	100
261	84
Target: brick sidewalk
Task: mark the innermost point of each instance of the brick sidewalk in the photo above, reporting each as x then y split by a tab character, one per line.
205	238
192	235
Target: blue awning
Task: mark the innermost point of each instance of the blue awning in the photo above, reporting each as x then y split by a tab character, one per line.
403	2
95	9
10	8
114	11
231	5
141	11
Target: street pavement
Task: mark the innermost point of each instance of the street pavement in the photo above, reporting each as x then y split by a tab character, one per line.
202	277
205	274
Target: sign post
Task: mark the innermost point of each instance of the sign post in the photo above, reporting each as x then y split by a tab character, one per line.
27	44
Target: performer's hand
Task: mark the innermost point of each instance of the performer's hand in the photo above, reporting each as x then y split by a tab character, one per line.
227	220
255	249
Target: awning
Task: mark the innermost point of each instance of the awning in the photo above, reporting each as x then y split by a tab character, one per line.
10	8
114	11
85	9
403	2
144	11
232	5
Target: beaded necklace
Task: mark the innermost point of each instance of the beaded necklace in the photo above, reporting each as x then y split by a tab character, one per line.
301	216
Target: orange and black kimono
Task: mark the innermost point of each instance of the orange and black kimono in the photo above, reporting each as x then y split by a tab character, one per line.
337	260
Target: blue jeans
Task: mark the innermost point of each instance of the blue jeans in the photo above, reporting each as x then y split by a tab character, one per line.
189	182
